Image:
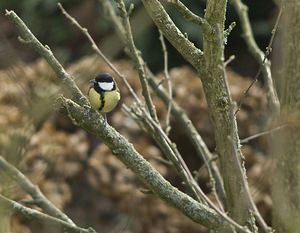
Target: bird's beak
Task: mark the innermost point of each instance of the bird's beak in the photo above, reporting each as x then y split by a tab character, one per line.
93	81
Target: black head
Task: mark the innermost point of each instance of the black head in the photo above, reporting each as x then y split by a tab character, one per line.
104	82
104	77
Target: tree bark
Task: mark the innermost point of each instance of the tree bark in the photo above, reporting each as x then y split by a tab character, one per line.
286	181
220	104
210	67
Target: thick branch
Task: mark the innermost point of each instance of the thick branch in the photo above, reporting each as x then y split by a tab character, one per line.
162	20
285	146
187	14
89	119
220	104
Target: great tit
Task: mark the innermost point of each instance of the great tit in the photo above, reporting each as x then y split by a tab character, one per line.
103	93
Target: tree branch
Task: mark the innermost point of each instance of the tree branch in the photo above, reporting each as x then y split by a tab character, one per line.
136	57
260	56
36	215
188	14
88	119
170	151
45	52
213	76
247	139
162	20
169	82
33	190
192	133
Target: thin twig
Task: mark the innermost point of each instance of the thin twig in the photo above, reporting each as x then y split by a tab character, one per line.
45	52
246	140
99	52
169	83
33	190
136	57
36	215
228	31
113	17
261	57
230	59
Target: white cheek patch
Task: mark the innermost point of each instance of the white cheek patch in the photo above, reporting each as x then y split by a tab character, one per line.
106	86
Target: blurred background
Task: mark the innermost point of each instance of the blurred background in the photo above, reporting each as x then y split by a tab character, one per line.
50	26
74	169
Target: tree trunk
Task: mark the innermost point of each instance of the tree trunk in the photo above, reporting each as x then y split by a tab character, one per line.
220	104
286	177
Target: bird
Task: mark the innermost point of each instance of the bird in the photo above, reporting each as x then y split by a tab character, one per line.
103	93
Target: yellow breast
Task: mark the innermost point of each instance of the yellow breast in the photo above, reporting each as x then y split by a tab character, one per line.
111	99
107	103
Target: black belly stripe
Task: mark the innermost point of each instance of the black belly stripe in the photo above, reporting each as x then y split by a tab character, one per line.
102	101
